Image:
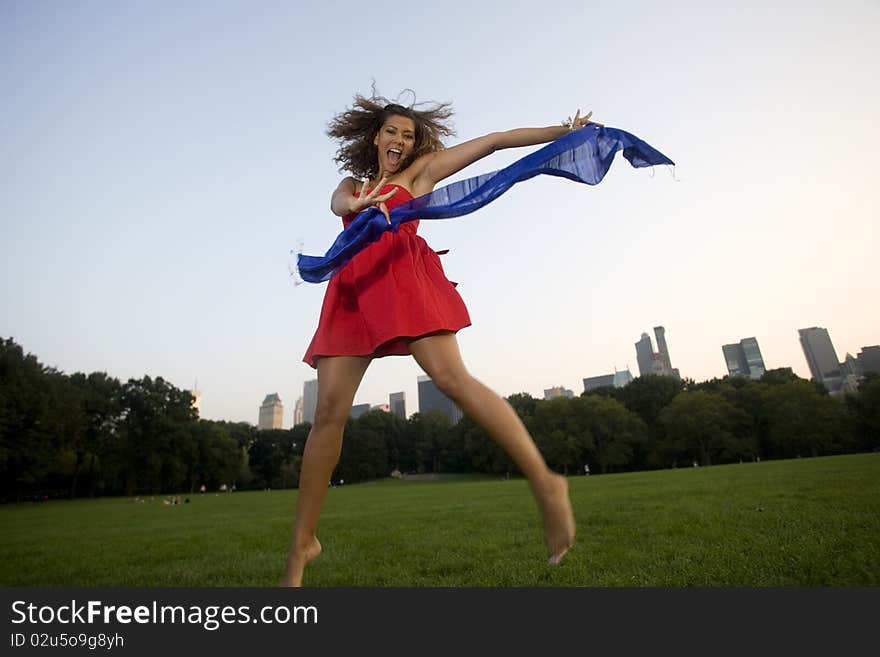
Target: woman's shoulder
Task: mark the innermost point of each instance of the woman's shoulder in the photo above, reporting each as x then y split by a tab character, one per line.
416	179
349	184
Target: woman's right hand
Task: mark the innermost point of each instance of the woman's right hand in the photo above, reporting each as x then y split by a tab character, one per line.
373	199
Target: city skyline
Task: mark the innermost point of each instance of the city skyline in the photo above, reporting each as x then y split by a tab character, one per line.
817	348
617	379
743	358
151	196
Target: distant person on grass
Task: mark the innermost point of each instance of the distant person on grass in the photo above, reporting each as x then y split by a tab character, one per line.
393	298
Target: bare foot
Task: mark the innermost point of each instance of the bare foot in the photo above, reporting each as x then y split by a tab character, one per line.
558	517
297	561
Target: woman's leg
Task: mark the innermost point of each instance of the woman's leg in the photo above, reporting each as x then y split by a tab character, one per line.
338	381
439	356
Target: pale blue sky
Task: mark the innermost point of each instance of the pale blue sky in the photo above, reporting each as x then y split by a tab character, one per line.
159	160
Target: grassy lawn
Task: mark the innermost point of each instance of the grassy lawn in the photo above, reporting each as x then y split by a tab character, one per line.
804	522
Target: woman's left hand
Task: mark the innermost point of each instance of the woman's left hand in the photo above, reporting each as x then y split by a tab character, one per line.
577	123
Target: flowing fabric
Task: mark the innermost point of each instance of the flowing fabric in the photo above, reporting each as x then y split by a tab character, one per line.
583	155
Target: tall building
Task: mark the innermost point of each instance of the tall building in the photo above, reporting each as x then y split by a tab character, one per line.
651	362
558	391
617	380
622	377
754	359
397	402
735	359
271	412
357	410
645	355
601	381
298	412
853	370
744	358
821	357
868	360
662	349
310	400
431	399
197	399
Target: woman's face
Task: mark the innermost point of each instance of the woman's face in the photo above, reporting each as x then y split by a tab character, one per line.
395	140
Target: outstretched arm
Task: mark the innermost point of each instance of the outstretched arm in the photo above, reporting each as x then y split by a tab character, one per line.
442	164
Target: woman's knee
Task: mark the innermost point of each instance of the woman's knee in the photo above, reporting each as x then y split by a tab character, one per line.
331	413
451	382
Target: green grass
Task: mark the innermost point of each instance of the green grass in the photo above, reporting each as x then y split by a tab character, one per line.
804	522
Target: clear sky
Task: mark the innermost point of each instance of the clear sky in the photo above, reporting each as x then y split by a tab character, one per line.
159	160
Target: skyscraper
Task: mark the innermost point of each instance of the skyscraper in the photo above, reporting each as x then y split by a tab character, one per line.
310	400
271	412
621	377
397	402
662	349
821	357
735	359
651	362
197	399
431	399
645	355
754	359
298	412
618	379
357	410
601	381
558	391
744	358
869	360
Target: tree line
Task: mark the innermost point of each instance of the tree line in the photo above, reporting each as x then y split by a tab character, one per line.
89	435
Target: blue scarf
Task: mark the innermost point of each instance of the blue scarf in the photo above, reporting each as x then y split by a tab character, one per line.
583	155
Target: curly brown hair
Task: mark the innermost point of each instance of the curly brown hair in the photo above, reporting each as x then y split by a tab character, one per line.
356	127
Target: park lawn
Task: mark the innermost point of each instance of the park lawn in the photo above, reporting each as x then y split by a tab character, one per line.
803	522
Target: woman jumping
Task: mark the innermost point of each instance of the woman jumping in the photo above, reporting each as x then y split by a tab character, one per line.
393	298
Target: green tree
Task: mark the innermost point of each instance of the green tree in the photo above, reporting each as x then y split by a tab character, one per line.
481	452
865	410
524	405
27	424
299	434
244	435
557	434
780	376
802	420
217	459
647	396
364	451
155	435
748	396
266	456
428	432
705	426
99	399
614	432
393	430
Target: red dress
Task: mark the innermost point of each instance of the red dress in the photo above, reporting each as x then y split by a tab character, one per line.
392	291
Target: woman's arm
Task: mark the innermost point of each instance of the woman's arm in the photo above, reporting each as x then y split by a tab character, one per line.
344	202
340	202
442	164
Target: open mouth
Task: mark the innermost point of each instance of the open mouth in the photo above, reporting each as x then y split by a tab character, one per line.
394	156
